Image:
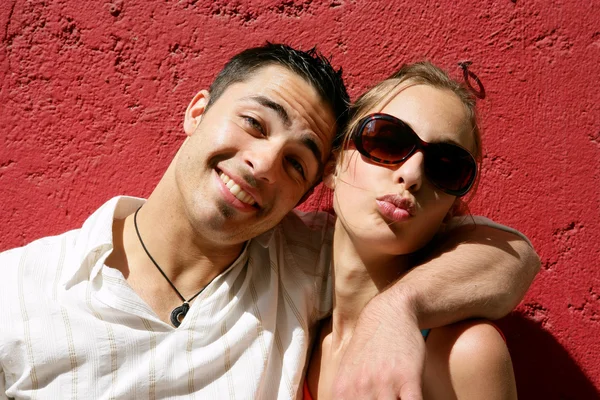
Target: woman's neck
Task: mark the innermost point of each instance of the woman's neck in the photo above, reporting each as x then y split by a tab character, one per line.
360	273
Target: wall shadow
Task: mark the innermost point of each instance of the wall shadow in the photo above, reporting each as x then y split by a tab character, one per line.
543	368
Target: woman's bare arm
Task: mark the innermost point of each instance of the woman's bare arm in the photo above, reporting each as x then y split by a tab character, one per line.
478	271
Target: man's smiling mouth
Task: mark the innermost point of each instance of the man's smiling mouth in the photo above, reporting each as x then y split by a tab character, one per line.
236	190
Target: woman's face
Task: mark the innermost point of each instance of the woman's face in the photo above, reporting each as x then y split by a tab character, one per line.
395	209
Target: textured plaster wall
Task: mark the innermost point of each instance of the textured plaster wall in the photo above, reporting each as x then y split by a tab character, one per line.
92	95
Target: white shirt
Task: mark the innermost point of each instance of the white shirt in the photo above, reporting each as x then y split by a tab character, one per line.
72	328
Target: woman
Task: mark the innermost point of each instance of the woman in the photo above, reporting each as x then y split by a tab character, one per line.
410	154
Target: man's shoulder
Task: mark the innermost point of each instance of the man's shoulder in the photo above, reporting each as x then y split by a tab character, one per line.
29	265
308	227
305	240
49	242
41	246
308	221
302	241
49	250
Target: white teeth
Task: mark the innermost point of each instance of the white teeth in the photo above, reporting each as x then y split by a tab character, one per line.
236	190
241	196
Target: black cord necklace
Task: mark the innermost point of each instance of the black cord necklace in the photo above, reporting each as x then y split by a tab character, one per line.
178	313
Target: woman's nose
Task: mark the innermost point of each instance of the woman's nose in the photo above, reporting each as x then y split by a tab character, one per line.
410	172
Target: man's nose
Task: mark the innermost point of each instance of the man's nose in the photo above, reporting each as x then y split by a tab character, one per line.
411	171
265	161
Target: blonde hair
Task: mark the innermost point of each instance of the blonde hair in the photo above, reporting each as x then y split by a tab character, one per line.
420	73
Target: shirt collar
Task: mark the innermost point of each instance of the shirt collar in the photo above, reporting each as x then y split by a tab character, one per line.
265	239
94	241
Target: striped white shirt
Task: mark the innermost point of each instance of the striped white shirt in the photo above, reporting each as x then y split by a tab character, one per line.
72	328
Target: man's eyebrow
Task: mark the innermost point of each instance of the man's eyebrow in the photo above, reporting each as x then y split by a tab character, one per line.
278	108
314	148
307	140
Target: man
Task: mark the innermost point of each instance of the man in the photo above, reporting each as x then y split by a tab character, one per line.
210	289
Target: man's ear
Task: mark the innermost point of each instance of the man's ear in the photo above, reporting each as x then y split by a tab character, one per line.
194	111
330	173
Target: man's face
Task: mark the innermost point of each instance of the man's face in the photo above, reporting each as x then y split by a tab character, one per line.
253	154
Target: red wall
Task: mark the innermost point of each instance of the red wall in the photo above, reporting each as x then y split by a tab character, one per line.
92	97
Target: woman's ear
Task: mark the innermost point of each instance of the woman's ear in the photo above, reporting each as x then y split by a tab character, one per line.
194	112
330	173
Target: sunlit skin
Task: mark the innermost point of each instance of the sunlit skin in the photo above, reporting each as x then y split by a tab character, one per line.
372	239
270	135
361	185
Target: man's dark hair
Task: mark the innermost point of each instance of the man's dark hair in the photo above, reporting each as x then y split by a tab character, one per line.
310	65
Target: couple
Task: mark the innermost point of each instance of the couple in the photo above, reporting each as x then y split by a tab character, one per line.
212	288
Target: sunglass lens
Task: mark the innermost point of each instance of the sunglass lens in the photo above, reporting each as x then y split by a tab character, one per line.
387	141
450	167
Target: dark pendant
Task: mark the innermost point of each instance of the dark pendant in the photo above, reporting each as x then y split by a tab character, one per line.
178	314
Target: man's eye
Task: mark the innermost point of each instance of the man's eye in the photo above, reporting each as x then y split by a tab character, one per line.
297	166
254	124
